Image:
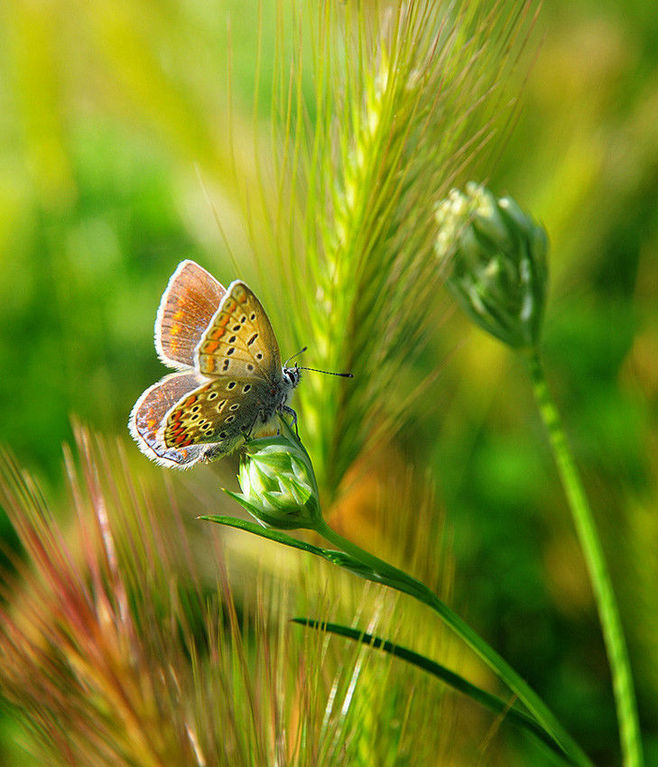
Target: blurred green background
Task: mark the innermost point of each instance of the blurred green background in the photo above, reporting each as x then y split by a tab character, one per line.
113	139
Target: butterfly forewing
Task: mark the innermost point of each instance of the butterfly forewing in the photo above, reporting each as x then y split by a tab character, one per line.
222	411
240	341
187	306
148	412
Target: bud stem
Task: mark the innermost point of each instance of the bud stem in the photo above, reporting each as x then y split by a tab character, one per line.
590	544
399	580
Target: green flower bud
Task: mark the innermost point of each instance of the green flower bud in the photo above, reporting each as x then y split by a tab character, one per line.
497	254
278	483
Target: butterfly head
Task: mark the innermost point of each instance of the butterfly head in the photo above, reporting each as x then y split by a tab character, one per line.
291	375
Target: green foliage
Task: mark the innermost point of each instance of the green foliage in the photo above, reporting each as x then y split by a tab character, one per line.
122	120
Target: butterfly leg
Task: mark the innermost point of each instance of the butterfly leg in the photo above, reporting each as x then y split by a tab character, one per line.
210	453
246	433
291	412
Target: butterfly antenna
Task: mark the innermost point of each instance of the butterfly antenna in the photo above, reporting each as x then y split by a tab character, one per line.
327	372
296	354
315	370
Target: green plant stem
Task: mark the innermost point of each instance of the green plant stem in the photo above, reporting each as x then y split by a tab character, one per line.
590	543
399	580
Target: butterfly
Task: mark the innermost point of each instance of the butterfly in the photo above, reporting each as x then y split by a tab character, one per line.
230	381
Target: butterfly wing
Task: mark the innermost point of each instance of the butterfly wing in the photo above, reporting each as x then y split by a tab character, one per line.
186	308
147	416
220	412
239	341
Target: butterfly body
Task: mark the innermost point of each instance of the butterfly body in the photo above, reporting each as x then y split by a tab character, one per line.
230	382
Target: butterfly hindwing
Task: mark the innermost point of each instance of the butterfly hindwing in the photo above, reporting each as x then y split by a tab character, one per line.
187	306
148	412
239	341
222	412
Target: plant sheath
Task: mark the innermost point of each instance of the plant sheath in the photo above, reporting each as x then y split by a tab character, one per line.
486	699
397	579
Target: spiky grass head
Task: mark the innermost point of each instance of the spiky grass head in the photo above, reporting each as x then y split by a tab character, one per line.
114	650
403	99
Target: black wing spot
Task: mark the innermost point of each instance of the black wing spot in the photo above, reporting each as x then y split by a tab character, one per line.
229	419
232	339
246	388
223	435
212	395
250	367
225	365
252	339
243	319
195	417
253	316
230	351
236	328
259	356
196	408
231	385
235	406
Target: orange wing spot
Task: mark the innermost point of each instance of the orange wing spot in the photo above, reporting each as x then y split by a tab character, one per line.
190	401
229	306
150	424
179	440
210	347
178	315
175	330
242	297
224	320
218	333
